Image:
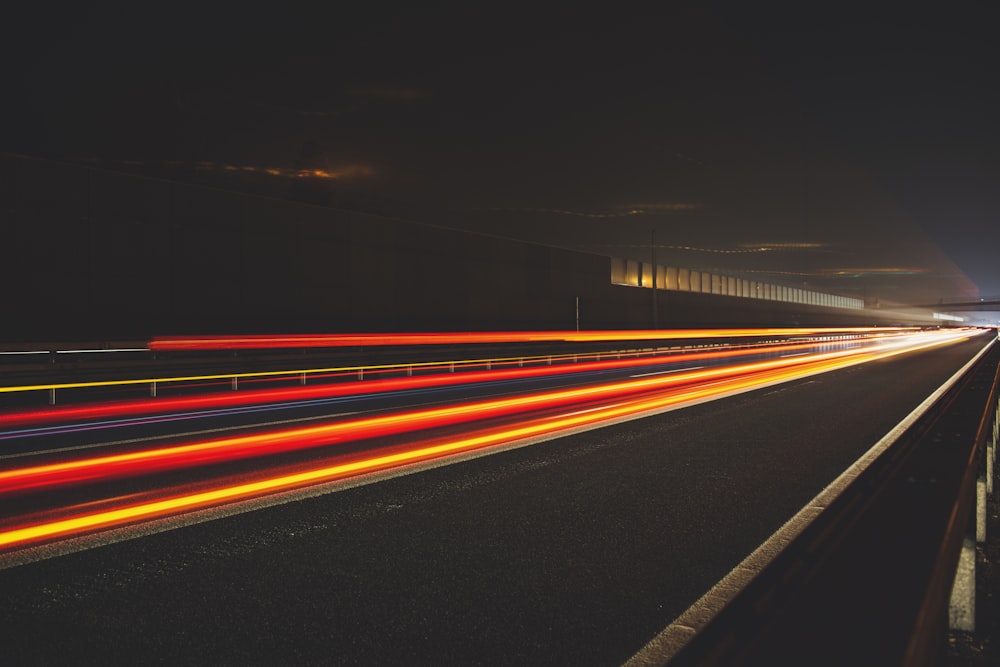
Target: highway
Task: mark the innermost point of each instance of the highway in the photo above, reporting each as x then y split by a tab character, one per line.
367	525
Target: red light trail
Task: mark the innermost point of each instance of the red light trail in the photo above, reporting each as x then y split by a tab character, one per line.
146	406
165	343
538	414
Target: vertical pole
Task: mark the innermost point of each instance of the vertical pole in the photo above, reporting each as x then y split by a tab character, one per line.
52	391
981	510
577	313
152	385
991	452
962	605
652	252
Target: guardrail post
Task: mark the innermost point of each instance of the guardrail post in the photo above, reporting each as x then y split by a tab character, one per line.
302	379
981	510
991	451
152	385
236	382
962	607
991	456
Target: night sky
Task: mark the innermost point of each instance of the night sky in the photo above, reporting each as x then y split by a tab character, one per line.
851	150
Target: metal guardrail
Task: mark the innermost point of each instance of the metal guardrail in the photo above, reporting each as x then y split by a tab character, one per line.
117	367
868	580
234	371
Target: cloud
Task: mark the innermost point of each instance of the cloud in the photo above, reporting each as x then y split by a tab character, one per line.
377	93
362	98
864	272
743	249
347	170
344	171
577	214
661	207
616	212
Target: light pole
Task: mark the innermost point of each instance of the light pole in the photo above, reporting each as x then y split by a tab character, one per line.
652	253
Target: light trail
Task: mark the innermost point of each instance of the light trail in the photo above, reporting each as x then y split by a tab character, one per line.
164	343
153	460
149	406
675	370
650	395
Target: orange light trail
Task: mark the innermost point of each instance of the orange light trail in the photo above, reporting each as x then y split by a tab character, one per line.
119	409
165	343
147	461
662	393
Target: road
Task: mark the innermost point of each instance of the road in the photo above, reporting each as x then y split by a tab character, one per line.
575	550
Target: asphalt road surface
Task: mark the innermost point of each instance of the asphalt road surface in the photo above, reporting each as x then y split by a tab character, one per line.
572	551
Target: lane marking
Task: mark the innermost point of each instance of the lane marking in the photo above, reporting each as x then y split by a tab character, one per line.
669	642
132	441
676	370
238	506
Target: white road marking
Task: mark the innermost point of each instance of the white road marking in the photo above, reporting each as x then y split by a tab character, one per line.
676	370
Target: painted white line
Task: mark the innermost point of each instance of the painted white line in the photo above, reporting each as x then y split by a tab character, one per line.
187	434
755	562
669	642
676	370
121	349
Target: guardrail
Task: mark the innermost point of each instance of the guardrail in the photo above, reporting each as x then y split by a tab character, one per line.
234	379
869	580
117	368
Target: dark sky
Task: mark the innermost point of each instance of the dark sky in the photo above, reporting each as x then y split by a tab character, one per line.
844	149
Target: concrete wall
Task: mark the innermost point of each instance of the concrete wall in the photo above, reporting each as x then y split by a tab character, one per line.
89	254
639	274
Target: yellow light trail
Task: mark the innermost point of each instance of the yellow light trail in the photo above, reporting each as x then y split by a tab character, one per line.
309	341
189	454
441	338
50	530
